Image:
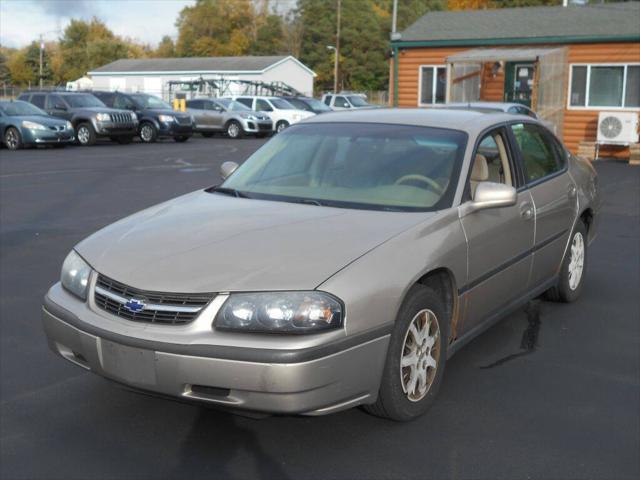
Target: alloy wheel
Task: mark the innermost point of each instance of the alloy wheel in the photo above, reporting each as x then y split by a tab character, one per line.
420	355
281	126
146	133
234	130
576	264
11	139
83	135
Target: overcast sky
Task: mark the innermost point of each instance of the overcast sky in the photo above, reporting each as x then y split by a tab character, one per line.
147	21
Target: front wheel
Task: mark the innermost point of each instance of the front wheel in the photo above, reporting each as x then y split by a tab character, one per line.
234	130
85	134
281	125
573	268
415	359
12	139
148	132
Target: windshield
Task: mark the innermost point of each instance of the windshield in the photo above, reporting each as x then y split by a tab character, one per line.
83	101
20	108
281	104
232	105
309	104
145	101
356	165
357	101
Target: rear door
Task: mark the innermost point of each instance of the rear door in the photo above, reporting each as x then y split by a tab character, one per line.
544	163
215	115
499	239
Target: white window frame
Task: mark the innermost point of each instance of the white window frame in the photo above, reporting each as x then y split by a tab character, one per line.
434	67
588	86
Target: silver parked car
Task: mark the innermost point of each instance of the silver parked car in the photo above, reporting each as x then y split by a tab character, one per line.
223	115
342	264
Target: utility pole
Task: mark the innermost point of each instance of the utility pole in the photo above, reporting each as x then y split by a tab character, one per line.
394	18
335	66
41	53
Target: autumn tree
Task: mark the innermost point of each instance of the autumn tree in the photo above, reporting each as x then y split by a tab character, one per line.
166	48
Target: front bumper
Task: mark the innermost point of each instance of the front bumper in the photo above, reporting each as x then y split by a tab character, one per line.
310	381
257	126
174	129
115	129
47	137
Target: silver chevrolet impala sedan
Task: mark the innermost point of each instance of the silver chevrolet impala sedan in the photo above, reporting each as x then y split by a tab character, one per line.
342	264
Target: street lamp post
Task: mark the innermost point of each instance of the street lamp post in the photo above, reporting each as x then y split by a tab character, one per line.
335	68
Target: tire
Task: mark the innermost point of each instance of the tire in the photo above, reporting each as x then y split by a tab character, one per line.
281	125
234	130
396	400
573	268
13	139
182	138
85	134
207	135
124	140
148	132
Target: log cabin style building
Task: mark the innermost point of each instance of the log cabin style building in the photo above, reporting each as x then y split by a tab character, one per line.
567	63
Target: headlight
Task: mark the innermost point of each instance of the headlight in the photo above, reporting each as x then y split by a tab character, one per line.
103	117
33	125
69	125
166	118
75	275
280	312
252	117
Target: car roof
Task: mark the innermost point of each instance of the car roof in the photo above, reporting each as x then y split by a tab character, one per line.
488	105
456	119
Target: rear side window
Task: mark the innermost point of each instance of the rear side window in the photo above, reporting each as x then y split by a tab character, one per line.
197	104
245	101
341	102
539	154
38	100
24	97
120	101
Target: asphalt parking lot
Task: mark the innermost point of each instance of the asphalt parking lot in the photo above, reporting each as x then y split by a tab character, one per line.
547	394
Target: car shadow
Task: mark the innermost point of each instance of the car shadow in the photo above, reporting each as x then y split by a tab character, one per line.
225	438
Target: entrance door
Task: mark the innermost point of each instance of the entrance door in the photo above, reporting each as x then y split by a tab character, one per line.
518	82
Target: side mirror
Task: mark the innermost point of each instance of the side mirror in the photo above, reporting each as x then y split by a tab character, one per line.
490	195
227	168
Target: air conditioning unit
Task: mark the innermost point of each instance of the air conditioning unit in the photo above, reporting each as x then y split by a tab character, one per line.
617	128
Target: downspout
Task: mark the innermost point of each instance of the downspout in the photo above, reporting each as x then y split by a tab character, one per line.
395	76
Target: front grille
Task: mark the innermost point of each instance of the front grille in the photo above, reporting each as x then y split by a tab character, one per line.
184	120
160	308
121	117
56	128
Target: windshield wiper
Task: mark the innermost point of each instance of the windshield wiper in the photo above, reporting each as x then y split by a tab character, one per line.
309	201
230	191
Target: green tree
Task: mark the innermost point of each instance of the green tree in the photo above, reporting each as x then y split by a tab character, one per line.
32	61
166	48
215	27
269	37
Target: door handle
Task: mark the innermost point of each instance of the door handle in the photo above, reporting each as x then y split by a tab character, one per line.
572	191
526	211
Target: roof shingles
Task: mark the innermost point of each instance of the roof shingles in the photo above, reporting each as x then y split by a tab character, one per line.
602	20
191	64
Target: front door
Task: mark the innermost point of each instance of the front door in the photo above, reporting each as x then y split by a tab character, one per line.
215	115
518	82
499	240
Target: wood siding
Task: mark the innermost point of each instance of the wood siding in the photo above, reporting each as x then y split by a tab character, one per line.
579	124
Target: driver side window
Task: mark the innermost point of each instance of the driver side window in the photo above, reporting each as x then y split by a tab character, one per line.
491	162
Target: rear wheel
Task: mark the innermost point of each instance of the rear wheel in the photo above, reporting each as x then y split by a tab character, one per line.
415	359
13	139
234	129
85	134
148	132
573	268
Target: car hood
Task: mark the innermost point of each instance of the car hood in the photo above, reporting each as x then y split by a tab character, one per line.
205	242
100	110
44	120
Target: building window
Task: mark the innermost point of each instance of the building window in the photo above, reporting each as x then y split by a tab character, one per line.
433	84
605	86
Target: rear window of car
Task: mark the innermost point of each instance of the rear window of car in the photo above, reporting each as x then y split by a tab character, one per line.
38	100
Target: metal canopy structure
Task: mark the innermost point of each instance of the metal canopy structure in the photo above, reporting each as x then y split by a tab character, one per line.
220	86
548	92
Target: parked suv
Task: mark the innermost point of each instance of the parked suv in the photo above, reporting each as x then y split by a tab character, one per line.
89	116
281	112
224	115
346	101
156	118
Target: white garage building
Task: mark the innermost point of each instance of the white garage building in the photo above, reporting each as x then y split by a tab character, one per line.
151	75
